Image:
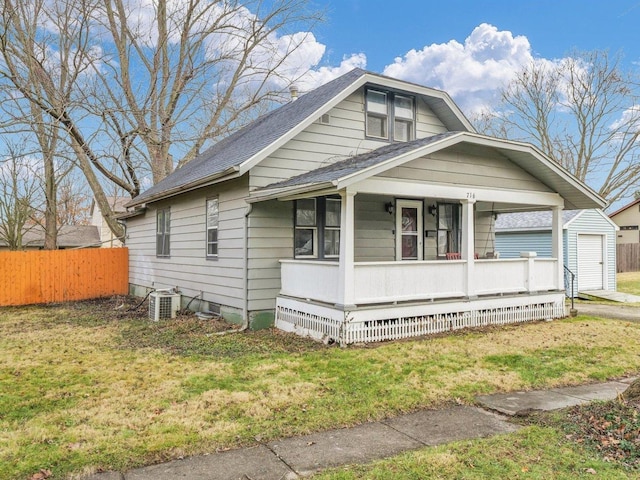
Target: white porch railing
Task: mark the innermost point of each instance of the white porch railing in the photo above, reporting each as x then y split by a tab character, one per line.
377	282
382	282
310	279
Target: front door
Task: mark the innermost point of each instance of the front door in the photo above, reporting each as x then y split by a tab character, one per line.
409	230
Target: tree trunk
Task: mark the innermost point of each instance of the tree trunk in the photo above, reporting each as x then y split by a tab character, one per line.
632	393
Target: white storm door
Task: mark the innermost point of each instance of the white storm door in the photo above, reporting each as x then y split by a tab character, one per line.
590	262
409	229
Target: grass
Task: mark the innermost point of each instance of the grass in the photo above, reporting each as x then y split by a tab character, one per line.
629	282
87	389
530	453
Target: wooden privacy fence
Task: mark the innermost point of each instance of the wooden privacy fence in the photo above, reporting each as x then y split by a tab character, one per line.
47	276
628	257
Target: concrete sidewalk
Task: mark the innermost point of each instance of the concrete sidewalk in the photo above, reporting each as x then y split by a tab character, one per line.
298	457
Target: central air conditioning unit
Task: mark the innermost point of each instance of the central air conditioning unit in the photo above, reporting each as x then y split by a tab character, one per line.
163	305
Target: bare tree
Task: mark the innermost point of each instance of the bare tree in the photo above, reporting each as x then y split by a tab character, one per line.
582	111
140	87
19	189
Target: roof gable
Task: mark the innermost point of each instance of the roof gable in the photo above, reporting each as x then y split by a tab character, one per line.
626	207
237	153
347	172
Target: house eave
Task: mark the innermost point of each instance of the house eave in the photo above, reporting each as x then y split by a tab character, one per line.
228	174
292	193
133	213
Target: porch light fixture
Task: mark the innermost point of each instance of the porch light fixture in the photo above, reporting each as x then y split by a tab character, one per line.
432	210
390	208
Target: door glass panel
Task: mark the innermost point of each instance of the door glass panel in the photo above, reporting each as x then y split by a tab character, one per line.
409	219
409	247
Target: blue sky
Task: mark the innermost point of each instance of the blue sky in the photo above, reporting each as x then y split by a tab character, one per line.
468	48
385	29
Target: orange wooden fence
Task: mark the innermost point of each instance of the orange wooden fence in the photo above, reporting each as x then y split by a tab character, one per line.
62	275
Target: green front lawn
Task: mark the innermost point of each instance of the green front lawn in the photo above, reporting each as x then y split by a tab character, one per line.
86	388
629	282
531	453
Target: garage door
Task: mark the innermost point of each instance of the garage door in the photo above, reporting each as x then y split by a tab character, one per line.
590	262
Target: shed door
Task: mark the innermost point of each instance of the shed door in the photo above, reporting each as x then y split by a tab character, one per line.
590	262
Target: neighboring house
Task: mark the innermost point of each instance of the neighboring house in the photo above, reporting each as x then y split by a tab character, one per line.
628	219
107	238
355	213
69	236
589	238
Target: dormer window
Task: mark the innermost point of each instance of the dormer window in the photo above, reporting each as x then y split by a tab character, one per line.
390	115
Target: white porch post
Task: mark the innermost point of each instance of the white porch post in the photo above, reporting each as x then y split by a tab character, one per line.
557	245
346	286
468	245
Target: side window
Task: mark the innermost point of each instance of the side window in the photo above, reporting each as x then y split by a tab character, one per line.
332	228
377	114
212	227
317	228
163	223
449	234
306	228
390	115
403	113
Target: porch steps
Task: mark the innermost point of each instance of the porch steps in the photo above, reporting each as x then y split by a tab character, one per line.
610	295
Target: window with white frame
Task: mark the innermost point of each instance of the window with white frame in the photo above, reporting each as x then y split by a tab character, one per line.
317	227
212	227
332	228
390	115
163	222
449	232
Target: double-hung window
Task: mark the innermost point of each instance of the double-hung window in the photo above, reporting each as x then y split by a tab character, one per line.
163	223
449	232
317	228
212	227
390	115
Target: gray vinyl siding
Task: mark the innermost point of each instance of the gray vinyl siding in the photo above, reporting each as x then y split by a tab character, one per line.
322	144
510	244
270	239
591	222
187	267
484	233
464	168
374	237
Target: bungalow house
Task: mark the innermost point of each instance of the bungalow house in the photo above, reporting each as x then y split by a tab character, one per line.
357	213
107	237
628	219
589	244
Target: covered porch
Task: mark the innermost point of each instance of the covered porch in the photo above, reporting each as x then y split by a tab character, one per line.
401	272
415	250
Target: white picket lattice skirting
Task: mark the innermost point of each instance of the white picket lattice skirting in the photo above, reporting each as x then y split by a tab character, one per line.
373	325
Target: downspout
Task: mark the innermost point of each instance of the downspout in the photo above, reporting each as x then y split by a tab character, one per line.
245	278
245	306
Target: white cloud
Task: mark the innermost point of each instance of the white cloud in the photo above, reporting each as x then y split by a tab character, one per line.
473	72
321	75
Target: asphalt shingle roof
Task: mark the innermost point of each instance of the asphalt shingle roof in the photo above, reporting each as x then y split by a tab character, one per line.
357	163
531	220
68	236
240	146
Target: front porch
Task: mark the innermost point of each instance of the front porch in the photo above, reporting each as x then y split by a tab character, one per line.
393	300
415	286
399	241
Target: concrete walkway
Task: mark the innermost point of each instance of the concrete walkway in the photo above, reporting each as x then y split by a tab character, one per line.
619	312
298	457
